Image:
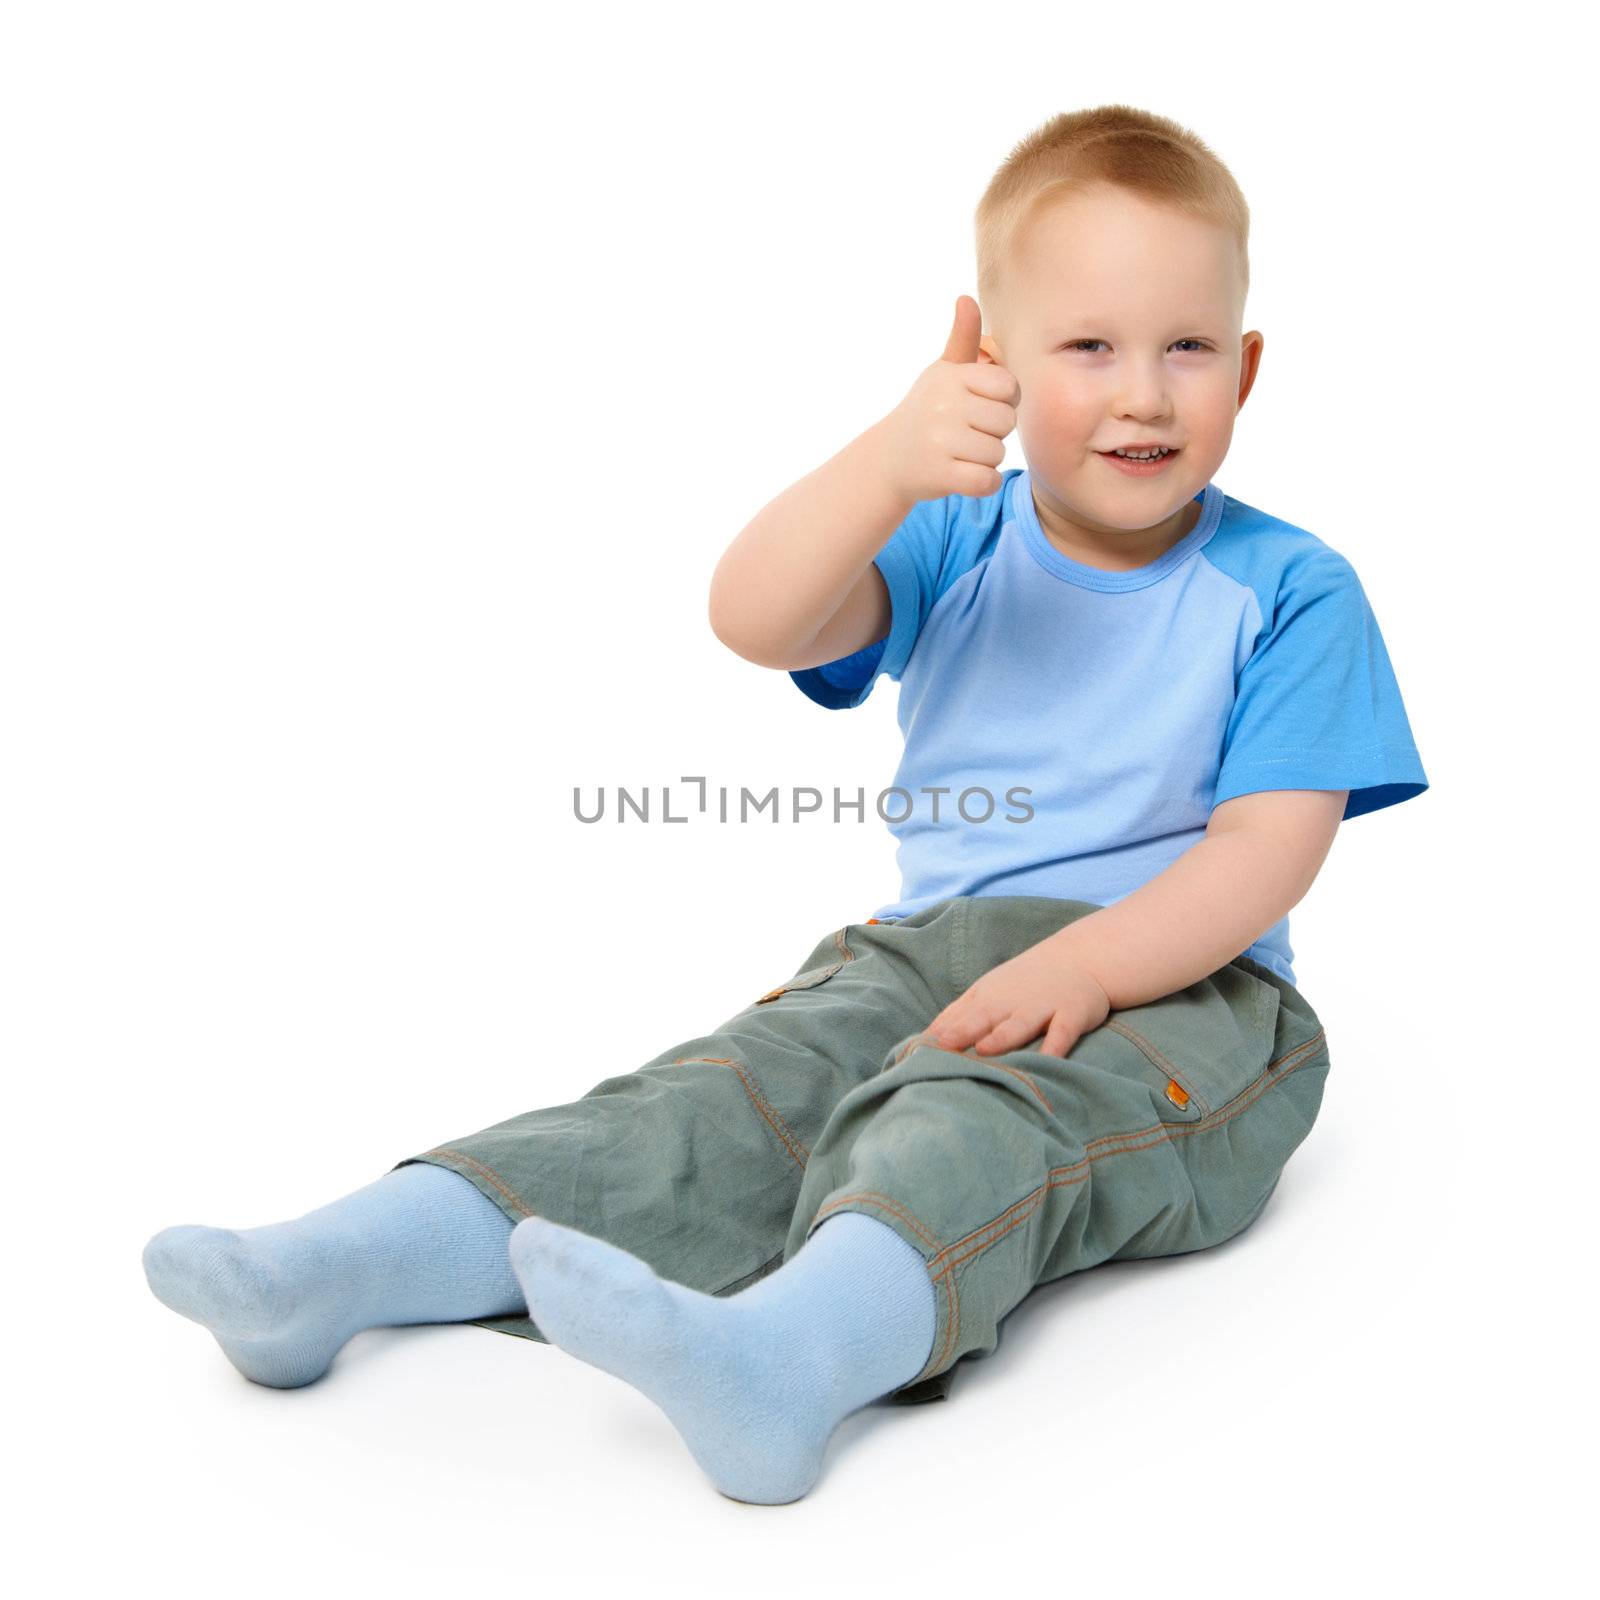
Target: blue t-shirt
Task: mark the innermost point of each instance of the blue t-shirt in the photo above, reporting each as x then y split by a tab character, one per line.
1126	704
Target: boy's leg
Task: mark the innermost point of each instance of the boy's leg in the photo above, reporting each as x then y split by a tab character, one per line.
1163	1131
693	1161
419	1245
1155	1136
755	1382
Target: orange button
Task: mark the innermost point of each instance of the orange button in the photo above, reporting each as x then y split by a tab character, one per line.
1176	1092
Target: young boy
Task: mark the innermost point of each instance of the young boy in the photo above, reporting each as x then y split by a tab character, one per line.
1076	1036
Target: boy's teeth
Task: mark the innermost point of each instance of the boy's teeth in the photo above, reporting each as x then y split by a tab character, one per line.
1147	455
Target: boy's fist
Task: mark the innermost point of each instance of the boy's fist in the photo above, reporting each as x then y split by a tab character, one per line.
948	435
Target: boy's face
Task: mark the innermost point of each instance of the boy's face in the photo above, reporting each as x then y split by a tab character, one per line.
1120	320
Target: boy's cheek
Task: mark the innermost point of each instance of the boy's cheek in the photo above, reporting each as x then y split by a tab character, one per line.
1053	428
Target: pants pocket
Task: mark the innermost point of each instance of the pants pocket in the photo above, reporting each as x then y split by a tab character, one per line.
801	980
832	954
1205	1045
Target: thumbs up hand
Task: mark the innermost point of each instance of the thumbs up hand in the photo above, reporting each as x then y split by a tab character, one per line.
948	435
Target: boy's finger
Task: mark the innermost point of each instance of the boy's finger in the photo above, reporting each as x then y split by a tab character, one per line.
1001	384
965	331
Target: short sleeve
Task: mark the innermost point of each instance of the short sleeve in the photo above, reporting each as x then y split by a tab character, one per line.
910	562
1316	705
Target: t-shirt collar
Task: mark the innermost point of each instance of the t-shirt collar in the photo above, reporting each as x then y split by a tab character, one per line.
1026	517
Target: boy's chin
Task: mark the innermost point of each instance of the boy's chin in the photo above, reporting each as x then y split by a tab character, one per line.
1120	499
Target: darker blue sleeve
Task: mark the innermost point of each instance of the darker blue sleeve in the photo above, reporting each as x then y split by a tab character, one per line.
910	563
1317	705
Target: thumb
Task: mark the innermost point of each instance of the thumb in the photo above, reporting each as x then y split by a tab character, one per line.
965	331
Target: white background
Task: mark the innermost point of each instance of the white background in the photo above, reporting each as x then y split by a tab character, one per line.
381	384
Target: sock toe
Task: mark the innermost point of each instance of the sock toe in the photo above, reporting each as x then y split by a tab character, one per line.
708	1363
210	1276
215	1277
588	1296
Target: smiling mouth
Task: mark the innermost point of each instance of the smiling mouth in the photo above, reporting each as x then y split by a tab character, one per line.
1133	467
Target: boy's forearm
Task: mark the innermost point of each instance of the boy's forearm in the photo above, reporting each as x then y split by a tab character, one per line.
786	575
1209	906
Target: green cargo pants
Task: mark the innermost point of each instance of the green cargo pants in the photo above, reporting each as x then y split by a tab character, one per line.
1162	1131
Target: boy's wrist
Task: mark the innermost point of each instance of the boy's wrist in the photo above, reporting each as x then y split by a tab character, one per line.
879	451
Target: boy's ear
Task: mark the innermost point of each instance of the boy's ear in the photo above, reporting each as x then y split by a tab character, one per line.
988	350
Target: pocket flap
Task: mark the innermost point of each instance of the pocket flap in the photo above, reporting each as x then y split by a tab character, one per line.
802	980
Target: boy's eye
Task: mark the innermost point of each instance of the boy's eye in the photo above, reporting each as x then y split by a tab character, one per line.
1078	344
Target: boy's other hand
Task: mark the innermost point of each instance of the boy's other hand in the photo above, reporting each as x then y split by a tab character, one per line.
948	435
1042	991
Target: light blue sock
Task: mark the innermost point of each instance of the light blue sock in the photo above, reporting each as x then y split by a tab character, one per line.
419	1245
755	1382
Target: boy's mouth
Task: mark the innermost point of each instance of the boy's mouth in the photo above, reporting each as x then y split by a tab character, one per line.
1138	468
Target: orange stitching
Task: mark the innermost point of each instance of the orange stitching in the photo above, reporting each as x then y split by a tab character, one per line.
1123	1146
1026	1078
1118	1026
492	1177
891	1205
1214	1119
790	1140
952	1323
1168	1131
1038	1194
906	1049
994	1061
783	988
1163	1130
1065	1177
971	1054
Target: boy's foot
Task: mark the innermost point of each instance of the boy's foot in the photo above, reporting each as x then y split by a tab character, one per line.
420	1244
275	1306
756	1382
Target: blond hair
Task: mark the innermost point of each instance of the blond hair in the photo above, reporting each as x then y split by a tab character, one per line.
1122	146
